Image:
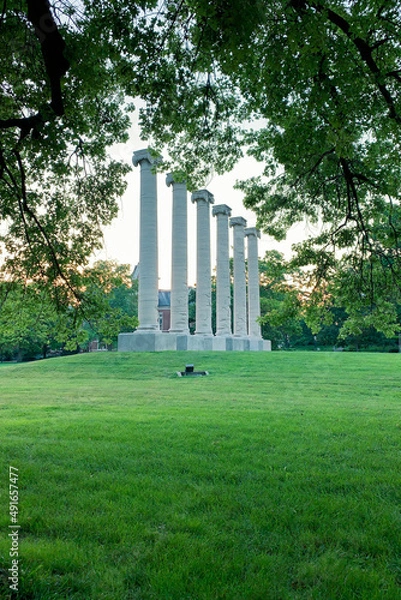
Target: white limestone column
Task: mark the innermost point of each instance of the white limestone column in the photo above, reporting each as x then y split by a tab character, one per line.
252	234
223	294
203	199
240	321
148	259
179	259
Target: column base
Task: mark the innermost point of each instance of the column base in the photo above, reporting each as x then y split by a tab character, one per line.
222	343
146	341
267	346
179	331
200	342
138	341
158	341
255	344
240	343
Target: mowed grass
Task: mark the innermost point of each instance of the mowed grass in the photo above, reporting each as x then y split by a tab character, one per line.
277	477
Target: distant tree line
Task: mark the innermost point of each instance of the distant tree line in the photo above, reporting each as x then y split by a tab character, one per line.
293	315
298	314
33	326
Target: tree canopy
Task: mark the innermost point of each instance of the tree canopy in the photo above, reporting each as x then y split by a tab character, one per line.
60	110
311	89
31	325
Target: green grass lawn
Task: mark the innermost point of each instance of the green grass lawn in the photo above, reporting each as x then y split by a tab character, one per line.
277	477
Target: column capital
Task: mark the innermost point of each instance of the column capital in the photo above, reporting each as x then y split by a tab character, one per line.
171	179
202	195
221	209
140	155
252	231
237	221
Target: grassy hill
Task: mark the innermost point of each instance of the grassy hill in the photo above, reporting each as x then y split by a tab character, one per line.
277	477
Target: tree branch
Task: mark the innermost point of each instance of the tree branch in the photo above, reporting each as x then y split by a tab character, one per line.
314	168
33	217
365	52
352	193
56	65
25	124
3	12
53	46
364	49
14	186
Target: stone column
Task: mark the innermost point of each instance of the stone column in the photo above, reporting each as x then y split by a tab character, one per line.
148	258
179	260
203	199
252	235
240	322
223	295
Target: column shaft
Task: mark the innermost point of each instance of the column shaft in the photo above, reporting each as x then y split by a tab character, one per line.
252	235
223	292
240	321
179	262
203	199
148	249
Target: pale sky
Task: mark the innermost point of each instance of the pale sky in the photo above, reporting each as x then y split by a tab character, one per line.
121	239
